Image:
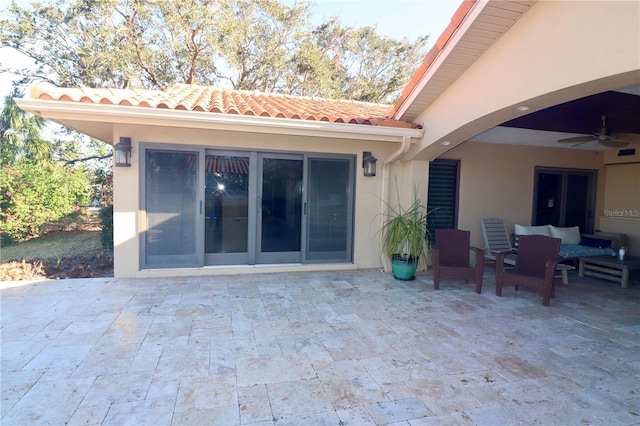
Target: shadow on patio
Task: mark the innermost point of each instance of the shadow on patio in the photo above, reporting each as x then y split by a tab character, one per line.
347	348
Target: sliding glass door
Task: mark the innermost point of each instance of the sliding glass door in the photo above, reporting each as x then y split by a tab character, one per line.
280	209
218	207
171	204
226	209
329	210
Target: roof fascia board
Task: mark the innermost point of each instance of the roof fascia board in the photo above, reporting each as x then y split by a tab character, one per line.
214	121
467	22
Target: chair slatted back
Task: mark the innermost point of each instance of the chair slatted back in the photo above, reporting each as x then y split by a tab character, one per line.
495	234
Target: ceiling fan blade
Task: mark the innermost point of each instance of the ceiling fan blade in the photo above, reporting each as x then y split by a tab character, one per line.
577	139
614	143
627	137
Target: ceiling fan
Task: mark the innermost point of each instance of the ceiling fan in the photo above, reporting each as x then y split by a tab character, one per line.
602	135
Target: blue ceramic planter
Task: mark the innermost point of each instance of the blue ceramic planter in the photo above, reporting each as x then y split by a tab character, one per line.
403	268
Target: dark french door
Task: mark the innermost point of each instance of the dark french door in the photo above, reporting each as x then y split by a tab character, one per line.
564	197
256	208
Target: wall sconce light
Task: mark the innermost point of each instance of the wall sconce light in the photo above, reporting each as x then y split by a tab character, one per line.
123	152
369	163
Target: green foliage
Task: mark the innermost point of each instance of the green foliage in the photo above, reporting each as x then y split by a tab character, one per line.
32	195
106	234
260	45
20	134
404	230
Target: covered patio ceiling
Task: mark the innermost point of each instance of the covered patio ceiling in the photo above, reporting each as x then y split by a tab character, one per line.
473	30
571	119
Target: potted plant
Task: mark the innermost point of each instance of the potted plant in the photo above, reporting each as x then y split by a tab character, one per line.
405	237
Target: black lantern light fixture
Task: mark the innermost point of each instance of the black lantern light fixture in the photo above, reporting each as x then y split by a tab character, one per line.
123	152
369	163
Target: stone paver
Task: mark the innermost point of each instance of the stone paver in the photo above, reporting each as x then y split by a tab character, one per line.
334	348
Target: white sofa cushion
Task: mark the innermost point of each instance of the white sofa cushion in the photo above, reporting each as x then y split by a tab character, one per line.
533	230
569	235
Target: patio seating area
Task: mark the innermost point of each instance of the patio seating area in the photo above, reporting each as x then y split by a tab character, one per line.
333	348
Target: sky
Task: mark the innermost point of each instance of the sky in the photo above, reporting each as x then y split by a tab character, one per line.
397	19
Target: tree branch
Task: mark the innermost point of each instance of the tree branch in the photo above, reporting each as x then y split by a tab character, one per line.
93	157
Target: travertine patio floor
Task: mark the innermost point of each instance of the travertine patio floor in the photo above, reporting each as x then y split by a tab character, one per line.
339	348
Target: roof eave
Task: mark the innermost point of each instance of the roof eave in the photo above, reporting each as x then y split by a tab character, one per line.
64	111
437	55
449	59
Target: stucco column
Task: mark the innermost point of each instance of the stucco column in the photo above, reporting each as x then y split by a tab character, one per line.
125	208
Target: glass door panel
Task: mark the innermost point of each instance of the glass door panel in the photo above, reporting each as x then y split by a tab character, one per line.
280	209
226	211
329	212
171	209
549	199
577	207
565	197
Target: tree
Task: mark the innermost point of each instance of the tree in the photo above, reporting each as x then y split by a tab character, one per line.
21	137
20	134
254	45
39	179
34	194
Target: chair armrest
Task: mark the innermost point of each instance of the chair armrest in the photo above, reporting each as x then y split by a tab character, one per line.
479	254
550	267
496	252
500	257
435	255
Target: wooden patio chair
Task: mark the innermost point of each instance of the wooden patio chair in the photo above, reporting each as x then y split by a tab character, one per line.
497	240
535	267
451	258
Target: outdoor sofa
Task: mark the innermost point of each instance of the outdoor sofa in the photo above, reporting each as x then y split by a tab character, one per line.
574	244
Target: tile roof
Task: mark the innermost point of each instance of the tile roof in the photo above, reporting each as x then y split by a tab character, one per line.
227	101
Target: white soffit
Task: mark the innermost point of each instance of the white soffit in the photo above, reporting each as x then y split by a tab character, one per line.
97	120
484	24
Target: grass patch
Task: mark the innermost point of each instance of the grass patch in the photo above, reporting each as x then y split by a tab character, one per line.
52	246
70	248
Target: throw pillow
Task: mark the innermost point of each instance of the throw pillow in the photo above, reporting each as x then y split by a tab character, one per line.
595	242
532	230
569	235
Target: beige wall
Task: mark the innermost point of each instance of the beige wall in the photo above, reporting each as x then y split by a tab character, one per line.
621	209
497	180
128	220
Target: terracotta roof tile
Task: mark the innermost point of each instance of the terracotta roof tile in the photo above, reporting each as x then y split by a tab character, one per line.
216	100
